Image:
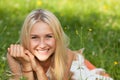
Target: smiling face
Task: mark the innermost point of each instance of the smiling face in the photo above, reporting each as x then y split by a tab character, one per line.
42	41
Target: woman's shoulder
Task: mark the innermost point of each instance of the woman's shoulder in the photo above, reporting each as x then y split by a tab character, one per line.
75	56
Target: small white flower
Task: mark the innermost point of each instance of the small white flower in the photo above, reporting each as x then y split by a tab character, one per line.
3	58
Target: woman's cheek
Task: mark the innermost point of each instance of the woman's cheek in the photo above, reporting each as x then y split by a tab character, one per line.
32	46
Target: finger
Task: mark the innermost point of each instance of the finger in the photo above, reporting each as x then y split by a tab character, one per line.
8	49
15	50
11	49
22	53
29	54
36	58
18	51
32	58
35	62
36	52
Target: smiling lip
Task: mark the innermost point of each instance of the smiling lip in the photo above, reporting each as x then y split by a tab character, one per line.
43	51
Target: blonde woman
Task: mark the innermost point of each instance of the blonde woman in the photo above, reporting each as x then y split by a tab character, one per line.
43	52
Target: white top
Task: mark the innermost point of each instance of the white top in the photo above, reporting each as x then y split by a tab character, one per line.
81	72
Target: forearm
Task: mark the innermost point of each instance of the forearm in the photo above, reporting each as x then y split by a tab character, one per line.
28	75
41	75
15	77
27	72
14	67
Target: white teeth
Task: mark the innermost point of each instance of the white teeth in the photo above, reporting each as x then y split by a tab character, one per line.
41	51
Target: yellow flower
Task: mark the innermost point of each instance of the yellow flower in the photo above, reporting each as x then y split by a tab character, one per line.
105	7
39	2
77	32
65	27
90	30
115	63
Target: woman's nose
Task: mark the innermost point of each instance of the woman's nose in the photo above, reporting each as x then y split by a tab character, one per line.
42	44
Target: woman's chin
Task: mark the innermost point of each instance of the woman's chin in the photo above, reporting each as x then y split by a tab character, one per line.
43	58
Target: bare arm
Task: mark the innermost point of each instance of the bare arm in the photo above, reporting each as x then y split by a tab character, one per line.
27	72
38	69
19	62
41	75
14	67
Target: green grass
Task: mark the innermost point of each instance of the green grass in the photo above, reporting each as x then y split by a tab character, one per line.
93	25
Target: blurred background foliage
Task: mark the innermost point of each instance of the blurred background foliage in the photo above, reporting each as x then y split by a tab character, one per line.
90	24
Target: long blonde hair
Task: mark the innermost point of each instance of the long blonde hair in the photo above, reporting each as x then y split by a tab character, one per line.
62	41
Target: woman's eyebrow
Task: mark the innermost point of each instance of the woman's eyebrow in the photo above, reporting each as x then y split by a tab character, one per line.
33	34
50	34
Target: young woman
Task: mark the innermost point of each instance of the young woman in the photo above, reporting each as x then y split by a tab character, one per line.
43	52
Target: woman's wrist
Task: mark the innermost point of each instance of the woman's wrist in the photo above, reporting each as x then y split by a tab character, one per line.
26	68
39	70
41	75
27	71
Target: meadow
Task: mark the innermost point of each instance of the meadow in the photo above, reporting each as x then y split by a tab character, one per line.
90	24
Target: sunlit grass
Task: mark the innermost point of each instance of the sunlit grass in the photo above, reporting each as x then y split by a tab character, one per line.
93	25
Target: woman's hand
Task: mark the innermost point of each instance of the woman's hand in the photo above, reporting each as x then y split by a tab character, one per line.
19	62
37	67
34	62
14	67
20	54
